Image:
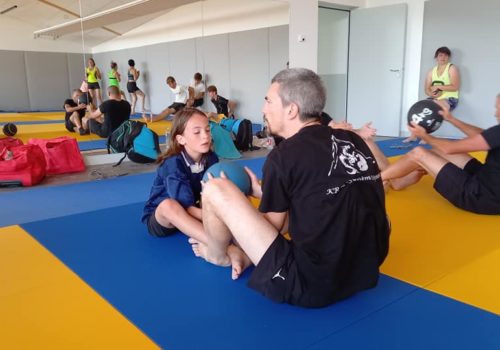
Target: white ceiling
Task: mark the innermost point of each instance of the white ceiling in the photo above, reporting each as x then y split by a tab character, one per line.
41	16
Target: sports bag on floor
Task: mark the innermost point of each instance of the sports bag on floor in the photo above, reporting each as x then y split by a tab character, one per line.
9	142
139	143
22	165
62	154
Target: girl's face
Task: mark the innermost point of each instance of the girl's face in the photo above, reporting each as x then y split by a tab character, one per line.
196	138
442	58
91	63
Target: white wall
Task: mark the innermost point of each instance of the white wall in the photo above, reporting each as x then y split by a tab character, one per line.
200	19
18	36
303	34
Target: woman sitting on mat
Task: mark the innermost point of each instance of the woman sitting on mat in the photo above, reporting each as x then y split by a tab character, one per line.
461	179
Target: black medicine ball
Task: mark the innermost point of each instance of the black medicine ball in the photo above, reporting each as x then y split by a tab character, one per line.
9	129
426	114
83	99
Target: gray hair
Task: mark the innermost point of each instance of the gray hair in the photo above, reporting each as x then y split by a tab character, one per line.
304	88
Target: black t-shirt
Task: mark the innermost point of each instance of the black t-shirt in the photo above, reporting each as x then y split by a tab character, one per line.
115	113
329	183
489	174
221	105
71	103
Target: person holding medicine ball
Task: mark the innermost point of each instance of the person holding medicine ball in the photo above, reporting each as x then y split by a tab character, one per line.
463	180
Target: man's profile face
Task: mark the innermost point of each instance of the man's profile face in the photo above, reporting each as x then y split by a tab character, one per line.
273	110
172	84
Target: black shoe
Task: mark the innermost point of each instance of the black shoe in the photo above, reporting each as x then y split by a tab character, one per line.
83	131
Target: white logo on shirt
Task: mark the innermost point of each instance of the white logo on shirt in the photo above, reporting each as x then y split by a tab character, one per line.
351	158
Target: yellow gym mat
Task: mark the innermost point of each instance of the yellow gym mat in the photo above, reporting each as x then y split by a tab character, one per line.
43	302
437	246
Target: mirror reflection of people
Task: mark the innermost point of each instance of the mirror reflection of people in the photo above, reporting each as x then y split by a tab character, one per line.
442	82
181	96
222	105
114	78
93	76
133	74
198	91
109	116
75	111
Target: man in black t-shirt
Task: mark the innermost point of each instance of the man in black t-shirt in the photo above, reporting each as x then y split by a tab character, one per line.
222	105
461	179
110	114
322	186
75	111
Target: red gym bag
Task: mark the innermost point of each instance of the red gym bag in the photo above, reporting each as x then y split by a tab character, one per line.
21	165
62	154
9	142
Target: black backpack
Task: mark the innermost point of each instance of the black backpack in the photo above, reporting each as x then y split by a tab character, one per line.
244	136
139	143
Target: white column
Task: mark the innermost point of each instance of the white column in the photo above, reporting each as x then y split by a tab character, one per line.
303	34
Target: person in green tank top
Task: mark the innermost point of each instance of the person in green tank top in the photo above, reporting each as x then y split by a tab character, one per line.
114	78
442	82
93	75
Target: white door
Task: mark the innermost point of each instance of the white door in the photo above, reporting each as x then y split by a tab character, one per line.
376	57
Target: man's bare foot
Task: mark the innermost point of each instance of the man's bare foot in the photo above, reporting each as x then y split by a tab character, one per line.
408	180
239	261
201	250
409	139
145	117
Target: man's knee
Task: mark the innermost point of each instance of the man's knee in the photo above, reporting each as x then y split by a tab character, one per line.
219	191
418	154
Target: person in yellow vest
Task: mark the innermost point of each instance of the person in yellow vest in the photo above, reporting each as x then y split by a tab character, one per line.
442	82
93	76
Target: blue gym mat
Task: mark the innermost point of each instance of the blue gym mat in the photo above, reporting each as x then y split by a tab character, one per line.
182	302
38	203
420	320
396	147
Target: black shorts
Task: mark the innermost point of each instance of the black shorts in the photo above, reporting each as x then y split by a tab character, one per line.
198	102
177	106
132	87
157	230
462	188
278	278
93	86
69	124
97	128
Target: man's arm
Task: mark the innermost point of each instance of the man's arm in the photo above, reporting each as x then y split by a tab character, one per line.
278	220
94	114
467	129
70	109
471	143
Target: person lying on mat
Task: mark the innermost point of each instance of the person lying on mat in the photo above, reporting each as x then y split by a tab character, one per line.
322	186
461	179
75	111
110	114
174	200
